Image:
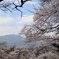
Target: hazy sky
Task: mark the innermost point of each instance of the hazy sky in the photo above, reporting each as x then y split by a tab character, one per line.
11	23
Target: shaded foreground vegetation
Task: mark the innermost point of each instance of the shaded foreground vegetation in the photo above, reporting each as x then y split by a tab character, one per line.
39	51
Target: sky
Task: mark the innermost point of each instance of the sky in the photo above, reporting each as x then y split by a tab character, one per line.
12	23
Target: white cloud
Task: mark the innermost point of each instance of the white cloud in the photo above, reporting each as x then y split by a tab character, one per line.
6	20
26	19
6	30
31	2
9	25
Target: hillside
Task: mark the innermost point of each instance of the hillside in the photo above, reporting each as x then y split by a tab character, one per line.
13	39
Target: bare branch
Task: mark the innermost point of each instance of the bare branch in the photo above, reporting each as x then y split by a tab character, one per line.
10	6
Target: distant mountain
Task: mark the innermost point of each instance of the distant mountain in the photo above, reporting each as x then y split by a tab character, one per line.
13	39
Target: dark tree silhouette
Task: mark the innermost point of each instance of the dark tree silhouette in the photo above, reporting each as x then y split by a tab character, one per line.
10	6
1	0
22	2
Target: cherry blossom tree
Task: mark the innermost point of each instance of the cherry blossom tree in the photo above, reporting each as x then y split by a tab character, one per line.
46	22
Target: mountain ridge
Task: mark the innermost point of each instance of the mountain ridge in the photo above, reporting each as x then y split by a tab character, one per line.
13	39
